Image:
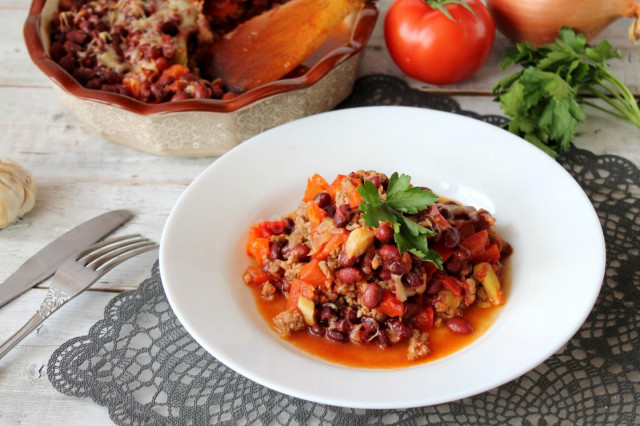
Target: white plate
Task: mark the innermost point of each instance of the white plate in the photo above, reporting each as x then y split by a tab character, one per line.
557	264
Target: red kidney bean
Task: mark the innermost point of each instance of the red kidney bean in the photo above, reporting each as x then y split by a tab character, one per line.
350	314
389	252
68	62
159	94
289	224
462	253
282	285
337	336
275	250
462	216
155	52
410	310
201	92
434	287
480	223
444	212
317	330
165	80
322	199
384	274
385	232
454	265
459	325
372	296
399	331
180	96
451	237
506	251
370	325
331	210
77	36
367	262
343	325
400	268
56	51
343	216
375	180
416	277
327	314
349	275
301	252
383	339
346	260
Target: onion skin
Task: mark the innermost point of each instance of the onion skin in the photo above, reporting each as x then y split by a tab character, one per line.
538	21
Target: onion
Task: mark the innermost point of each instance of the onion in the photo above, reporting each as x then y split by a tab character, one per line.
538	21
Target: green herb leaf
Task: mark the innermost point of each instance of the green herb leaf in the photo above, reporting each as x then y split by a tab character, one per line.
401	198
440	6
543	99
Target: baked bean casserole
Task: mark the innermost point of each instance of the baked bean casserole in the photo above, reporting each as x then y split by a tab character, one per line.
374	261
147	49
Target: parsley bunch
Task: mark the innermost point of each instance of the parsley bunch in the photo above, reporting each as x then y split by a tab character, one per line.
542	98
401	199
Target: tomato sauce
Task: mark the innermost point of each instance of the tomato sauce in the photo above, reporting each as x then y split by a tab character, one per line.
442	341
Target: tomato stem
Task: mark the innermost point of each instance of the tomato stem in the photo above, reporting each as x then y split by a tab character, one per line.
440	6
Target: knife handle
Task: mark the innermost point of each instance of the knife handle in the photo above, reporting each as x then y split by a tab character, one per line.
53	301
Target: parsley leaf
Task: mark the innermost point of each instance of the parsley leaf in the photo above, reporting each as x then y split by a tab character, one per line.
401	198
545	99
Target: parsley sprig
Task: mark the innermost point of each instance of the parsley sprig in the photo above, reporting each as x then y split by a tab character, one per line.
401	199
545	98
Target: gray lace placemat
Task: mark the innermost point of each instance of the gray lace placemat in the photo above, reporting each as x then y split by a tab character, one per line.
142	364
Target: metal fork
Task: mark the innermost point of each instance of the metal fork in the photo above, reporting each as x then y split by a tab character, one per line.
78	274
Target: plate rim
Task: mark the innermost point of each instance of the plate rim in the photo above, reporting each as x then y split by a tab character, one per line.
292	391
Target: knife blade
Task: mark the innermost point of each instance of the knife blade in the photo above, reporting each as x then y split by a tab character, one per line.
44	263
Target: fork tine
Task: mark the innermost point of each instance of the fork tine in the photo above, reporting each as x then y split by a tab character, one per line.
115	261
108	248
119	250
99	245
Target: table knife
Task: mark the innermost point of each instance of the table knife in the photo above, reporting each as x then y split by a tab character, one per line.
44	263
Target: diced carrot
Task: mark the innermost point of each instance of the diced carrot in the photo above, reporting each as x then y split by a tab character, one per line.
354	199
476	244
255	276
491	254
264	230
424	318
452	284
316	214
335	186
313	274
438	218
390	305
315	185
333	244
299	288
175	71
259	249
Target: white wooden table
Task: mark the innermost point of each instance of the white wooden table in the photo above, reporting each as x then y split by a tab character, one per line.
80	175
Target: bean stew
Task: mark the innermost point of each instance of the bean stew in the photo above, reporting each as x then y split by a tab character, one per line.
146	49
357	289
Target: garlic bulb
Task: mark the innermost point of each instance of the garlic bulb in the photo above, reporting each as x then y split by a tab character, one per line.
17	191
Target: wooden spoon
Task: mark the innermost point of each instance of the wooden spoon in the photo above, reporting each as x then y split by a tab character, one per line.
268	46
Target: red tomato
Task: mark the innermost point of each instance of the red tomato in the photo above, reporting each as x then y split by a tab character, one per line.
430	47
